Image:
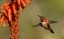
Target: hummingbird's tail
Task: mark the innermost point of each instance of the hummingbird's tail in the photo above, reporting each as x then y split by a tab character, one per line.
51	31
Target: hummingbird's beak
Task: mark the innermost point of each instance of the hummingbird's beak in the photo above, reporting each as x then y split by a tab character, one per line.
39	15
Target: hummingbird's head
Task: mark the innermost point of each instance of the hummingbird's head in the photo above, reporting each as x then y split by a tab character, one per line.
43	19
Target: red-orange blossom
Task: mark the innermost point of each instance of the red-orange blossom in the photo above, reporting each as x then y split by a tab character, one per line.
10	13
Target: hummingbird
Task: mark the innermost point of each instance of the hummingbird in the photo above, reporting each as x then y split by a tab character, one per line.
45	23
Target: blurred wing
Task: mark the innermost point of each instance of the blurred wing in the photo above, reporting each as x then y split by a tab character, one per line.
51	22
37	25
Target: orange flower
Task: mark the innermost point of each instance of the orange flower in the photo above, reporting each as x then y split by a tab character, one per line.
10	14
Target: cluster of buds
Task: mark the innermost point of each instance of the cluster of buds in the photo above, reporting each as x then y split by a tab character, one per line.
10	14
11	8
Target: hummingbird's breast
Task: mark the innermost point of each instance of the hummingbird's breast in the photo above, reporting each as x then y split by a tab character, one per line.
44	24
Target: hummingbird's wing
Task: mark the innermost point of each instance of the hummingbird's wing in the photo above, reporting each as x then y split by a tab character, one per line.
37	25
51	22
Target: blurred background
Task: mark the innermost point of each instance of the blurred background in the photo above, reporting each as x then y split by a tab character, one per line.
51	9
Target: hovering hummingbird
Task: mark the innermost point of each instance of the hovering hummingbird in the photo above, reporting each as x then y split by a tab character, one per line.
45	23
